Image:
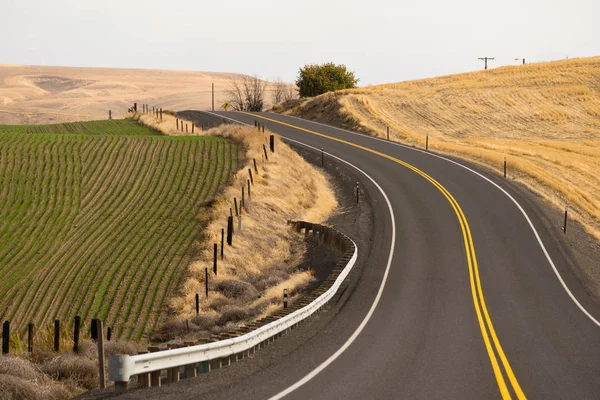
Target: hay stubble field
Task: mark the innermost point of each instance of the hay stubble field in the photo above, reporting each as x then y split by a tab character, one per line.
544	118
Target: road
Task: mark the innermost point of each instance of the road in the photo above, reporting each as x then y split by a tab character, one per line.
469	304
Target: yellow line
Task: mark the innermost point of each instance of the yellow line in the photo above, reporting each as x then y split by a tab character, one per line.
476	290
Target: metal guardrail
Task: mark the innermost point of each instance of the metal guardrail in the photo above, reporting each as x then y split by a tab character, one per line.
123	367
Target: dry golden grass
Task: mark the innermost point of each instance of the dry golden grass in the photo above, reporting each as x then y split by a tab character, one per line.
43	94
545	118
262	260
266	251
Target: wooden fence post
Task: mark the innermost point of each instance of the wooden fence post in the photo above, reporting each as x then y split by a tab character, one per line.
94	330
229	230
255	167
177	123
242	204
197	304
249	196
57	335
5	337
272	143
30	337
206	281
222	242
265	150
108	333
101	368
251	177
215	258
76	328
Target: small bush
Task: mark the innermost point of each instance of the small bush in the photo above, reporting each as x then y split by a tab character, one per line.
13	388
20	368
238	290
68	367
233	314
204	322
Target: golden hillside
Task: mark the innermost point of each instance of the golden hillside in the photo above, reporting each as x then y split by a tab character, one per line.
545	118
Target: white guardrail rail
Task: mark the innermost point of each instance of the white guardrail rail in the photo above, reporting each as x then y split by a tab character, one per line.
123	367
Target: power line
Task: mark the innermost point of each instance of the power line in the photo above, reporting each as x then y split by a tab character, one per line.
486	60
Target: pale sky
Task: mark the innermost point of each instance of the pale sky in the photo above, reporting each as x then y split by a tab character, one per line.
381	41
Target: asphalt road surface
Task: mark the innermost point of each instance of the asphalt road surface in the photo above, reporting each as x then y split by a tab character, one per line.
467	303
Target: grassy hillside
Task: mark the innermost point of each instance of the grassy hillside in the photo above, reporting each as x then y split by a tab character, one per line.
101	220
545	118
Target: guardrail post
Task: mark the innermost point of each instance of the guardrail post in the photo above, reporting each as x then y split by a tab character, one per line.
427	143
154	375
272	143
285	298
119	369
144	379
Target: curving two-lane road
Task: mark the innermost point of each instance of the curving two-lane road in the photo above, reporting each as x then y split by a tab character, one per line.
468	304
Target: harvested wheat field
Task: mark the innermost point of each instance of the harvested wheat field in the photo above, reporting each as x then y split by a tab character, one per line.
44	94
545	118
100	219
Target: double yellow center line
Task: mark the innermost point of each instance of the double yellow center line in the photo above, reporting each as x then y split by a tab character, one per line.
483	317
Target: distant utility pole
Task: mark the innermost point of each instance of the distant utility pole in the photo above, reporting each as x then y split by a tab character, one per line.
519	59
486	60
213	97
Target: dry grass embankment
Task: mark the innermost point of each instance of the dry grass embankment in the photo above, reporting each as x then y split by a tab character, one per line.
545	118
265	253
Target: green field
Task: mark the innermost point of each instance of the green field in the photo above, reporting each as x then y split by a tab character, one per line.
100	220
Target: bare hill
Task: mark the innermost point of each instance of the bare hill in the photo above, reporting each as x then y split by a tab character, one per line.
39	94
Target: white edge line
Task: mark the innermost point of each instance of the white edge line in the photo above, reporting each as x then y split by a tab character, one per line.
364	322
535	232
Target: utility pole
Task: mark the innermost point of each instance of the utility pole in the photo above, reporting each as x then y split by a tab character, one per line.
486	59
213	97
519	59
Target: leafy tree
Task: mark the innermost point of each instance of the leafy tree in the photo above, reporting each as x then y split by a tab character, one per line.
316	79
